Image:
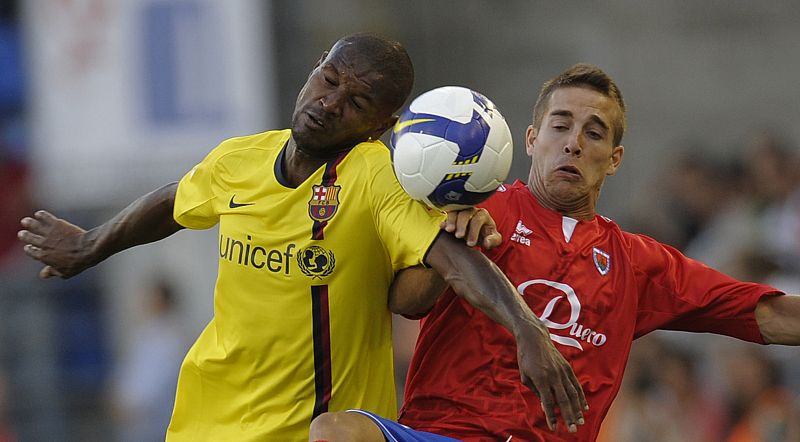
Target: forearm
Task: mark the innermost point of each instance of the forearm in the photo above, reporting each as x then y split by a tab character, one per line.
146	220
478	280
778	319
542	368
415	290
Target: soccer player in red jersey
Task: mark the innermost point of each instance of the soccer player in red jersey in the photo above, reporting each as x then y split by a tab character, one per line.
595	286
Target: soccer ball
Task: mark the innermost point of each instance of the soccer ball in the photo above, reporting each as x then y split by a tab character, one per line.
451	148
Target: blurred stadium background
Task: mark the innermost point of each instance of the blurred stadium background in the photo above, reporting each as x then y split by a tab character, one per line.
104	100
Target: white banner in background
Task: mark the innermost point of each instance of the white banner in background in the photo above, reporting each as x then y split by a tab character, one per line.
128	94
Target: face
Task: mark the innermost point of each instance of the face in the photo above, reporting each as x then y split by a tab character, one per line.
573	149
344	101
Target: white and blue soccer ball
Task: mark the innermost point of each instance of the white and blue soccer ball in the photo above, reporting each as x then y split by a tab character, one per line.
451	148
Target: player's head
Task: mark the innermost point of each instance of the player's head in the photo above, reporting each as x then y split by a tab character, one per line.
578	122
586	76
352	94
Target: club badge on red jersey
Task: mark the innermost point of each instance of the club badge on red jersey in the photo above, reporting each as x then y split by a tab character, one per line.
323	203
601	260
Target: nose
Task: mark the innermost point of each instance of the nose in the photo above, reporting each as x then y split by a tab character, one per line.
331	102
573	145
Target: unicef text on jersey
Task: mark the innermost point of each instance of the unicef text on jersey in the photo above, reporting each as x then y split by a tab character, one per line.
314	261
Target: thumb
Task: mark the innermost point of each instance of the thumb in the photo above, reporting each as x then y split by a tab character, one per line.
48	272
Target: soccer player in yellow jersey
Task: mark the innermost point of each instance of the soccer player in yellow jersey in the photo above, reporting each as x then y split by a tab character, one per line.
313	228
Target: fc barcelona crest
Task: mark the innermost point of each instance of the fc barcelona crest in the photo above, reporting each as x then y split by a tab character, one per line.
601	260
324	202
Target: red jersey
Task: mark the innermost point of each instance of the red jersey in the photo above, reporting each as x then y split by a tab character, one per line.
596	288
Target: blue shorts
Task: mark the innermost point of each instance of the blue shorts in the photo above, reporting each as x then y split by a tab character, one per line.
397	432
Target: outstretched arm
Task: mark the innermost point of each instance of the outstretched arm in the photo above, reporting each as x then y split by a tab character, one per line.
66	249
778	318
542	368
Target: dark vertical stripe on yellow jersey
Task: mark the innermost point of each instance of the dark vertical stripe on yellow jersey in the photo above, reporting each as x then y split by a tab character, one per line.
322	348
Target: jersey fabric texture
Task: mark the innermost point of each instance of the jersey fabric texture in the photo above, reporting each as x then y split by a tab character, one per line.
395	432
301	324
596	287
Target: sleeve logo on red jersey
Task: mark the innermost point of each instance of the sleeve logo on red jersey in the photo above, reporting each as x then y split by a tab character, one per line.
601	260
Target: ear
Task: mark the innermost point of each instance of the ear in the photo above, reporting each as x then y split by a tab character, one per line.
385	126
616	160
321	59
530	137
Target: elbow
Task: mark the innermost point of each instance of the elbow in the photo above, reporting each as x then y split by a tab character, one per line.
411	307
398	306
407	310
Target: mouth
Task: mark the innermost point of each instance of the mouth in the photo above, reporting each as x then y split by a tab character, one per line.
570	170
315	120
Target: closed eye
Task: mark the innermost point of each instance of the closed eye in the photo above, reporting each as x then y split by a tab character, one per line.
595	135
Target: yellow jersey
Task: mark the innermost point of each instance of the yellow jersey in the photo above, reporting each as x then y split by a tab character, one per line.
301	324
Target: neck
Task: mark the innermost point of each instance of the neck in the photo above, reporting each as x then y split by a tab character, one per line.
581	207
298	165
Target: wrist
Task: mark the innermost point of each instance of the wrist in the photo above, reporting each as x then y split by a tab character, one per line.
92	248
527	327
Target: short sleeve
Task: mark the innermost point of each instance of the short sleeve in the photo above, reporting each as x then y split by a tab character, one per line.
197	192
679	293
406	227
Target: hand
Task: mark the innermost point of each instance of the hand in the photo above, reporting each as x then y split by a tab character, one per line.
63	247
545	371
476	224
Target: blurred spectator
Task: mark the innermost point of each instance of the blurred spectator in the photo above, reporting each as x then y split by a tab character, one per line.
762	406
662	400
774	177
144	389
691	192
759	224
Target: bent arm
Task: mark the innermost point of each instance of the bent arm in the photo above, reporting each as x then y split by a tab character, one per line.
67	249
778	318
478	280
414	291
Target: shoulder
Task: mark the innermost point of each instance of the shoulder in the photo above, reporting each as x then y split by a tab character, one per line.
636	240
649	255
249	150
371	154
505	195
371	160
271	140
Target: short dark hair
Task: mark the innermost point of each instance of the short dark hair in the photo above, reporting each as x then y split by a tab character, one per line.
588	76
389	57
